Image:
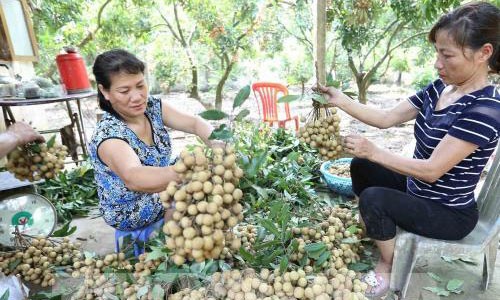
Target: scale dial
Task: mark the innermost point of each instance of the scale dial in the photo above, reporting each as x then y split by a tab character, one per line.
32	213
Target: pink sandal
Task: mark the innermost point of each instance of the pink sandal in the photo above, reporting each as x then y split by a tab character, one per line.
379	286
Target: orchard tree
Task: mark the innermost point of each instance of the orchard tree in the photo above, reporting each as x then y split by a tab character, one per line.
400	65
49	20
92	26
185	37
371	30
225	26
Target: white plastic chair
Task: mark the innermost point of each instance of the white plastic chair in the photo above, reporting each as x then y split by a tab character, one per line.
483	239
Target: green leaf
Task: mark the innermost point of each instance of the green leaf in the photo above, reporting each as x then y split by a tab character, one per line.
289	98
269	226
224	266
155	254
454	284
64	231
256	163
56	295
435	277
331	82
5	295
51	141
260	191
158	292
13	264
322	258
241	115
210	267
221	133
88	254
242	95
353	229
166	278
319	98
247	257
314	247
268	244
213	114
35	148
350	94
358	267
437	290
142	291
283	264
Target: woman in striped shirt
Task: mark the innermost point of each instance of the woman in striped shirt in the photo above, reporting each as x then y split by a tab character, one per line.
457	125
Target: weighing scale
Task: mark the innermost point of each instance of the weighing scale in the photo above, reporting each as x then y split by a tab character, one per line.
33	214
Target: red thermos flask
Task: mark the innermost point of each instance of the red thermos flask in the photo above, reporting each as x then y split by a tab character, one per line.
73	72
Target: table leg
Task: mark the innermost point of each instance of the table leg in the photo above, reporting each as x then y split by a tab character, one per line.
8	116
75	119
80	134
78	104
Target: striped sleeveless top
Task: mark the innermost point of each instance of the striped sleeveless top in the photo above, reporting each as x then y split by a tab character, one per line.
473	118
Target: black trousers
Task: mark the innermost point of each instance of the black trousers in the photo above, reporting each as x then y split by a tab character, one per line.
384	204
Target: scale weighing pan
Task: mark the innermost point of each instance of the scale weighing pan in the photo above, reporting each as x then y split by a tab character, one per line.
33	214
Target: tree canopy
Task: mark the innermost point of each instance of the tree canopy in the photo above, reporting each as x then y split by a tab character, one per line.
201	43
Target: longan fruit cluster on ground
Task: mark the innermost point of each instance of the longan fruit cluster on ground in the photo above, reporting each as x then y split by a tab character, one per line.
331	232
96	283
341	170
37	161
35	263
266	285
323	133
206	204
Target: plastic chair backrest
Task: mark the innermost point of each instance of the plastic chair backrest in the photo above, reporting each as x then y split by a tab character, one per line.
268	94
489	198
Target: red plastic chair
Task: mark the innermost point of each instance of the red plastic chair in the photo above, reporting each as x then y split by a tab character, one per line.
267	93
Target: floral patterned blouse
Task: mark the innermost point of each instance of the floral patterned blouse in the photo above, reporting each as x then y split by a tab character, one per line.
122	208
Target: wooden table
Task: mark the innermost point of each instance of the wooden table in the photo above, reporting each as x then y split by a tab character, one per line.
75	118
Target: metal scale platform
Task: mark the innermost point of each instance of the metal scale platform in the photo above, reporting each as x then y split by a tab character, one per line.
32	213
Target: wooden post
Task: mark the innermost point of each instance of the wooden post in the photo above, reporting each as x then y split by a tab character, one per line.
319	11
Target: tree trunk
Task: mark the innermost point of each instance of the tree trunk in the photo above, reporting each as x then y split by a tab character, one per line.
362	89
400	74
193	91
220	86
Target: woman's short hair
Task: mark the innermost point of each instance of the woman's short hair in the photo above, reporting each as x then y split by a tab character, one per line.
110	63
472	25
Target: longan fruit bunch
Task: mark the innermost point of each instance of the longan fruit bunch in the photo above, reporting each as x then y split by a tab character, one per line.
35	263
95	283
206	204
331	232
248	235
322	132
37	161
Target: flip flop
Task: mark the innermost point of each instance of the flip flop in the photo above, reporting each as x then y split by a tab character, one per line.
379	286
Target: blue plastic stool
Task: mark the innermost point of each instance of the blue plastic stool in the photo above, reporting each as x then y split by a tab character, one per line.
140	235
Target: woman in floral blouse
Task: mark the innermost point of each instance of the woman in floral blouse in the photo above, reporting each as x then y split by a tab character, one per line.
131	148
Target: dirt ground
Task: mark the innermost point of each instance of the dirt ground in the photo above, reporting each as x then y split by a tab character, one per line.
99	237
